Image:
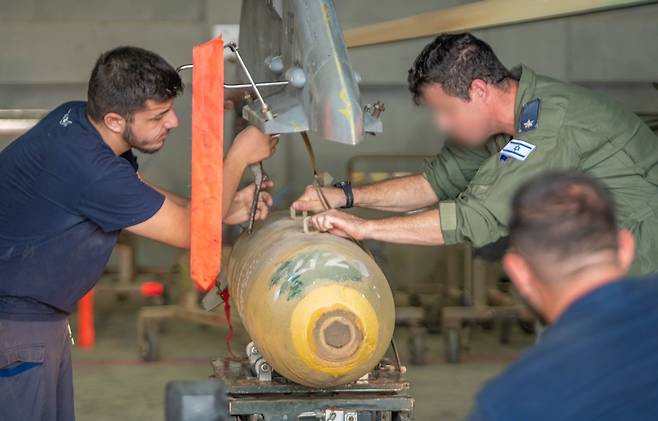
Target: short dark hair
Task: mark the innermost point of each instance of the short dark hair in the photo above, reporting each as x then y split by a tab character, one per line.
561	215
124	78
454	61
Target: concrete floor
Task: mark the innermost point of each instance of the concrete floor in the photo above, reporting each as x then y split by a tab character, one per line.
112	383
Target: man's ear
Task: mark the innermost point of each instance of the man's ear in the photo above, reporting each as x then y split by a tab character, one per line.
114	122
625	249
519	272
479	89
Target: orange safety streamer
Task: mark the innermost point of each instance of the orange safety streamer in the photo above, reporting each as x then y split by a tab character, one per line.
207	162
86	333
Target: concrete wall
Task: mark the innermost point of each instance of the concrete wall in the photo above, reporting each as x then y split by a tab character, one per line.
49	46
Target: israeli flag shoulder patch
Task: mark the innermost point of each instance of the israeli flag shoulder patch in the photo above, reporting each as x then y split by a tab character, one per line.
516	149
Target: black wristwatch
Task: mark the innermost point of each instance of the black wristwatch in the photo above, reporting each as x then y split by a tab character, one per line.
349	196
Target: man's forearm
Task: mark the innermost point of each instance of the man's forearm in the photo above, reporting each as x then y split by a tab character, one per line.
400	194
171	224
180	201
422	228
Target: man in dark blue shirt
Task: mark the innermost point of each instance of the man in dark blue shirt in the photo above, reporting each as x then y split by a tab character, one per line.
598	360
69	185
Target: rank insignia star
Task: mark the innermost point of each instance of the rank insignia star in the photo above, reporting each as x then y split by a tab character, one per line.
529	116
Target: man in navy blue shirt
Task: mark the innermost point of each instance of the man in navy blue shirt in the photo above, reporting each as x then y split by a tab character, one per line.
68	186
598	360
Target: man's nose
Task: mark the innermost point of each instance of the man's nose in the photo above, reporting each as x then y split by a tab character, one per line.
172	122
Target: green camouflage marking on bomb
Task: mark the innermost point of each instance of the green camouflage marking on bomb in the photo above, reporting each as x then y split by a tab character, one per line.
292	276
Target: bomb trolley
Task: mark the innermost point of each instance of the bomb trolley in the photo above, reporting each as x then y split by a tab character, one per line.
255	392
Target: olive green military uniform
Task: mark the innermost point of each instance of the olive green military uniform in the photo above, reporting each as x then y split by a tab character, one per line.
559	126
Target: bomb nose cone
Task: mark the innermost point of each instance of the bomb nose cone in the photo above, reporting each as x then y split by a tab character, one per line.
336	333
337	336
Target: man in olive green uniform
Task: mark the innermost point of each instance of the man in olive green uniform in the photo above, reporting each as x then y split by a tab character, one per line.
503	127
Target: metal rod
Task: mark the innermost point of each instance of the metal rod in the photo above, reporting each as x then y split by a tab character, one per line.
265	109
397	356
184	67
240	85
317	184
316	177
260	84
260	176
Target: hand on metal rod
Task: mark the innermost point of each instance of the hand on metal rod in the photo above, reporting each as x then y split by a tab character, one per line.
260	177
260	180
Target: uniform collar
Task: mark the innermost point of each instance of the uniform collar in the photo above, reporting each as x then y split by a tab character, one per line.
526	90
85	122
603	299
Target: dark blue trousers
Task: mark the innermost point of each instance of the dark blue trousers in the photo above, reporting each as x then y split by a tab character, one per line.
36	381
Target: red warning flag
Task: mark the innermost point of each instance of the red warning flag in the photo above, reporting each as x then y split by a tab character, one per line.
207	162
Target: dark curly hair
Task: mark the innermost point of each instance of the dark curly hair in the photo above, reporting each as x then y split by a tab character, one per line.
124	78
454	61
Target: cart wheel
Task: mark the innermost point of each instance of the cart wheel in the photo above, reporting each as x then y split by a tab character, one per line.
433	317
453	345
527	326
417	348
166	295
486	324
505	331
401	416
149	345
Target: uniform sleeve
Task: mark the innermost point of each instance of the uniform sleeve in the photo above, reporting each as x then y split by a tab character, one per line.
453	168
119	199
480	413
480	214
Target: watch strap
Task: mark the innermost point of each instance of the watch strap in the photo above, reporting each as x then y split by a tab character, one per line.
346	186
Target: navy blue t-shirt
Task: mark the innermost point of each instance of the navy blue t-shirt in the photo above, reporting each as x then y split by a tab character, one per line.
599	361
64	197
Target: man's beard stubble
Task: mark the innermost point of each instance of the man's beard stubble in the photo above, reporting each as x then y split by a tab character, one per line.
140	145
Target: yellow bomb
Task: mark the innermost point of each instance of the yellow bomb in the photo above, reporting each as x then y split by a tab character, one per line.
317	306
